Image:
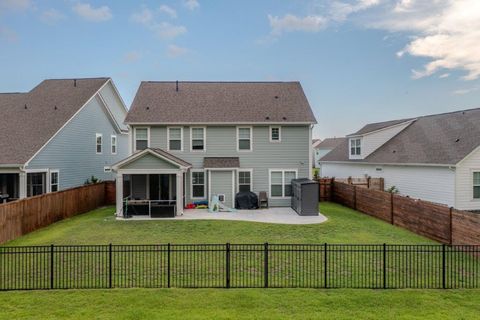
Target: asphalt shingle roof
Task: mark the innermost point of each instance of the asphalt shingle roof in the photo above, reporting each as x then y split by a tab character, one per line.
220	102
28	120
330	143
443	138
221	162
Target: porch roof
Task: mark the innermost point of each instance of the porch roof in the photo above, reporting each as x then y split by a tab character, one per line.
221	162
155	152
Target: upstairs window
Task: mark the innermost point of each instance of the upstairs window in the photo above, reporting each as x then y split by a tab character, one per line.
244	138
113	144
98	138
141	139
175	139
476	185
355	147
275	134
244	181
197	139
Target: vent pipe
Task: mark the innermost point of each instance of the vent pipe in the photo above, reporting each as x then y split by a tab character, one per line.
176	86
74	82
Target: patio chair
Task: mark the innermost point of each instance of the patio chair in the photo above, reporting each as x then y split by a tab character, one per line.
262	199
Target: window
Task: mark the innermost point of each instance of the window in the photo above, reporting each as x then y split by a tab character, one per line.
275	134
476	185
53	181
281	182
35	183
244	139
99	142
113	140
244	181
141	139
175	138
198	184
355	147
197	139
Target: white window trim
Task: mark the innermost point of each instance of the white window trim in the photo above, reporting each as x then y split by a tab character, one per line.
47	178
473	183
50	179
181	139
251	138
204	184
135	138
350	148
97	135
204	139
279	134
283	182
112	144
238	178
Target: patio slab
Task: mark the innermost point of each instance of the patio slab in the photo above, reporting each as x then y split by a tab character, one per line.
280	215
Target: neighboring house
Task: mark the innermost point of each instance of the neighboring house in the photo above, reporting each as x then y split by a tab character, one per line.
59	134
315	143
435	157
324	147
192	140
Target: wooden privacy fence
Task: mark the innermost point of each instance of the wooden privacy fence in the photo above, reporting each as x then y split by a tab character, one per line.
435	221
366	182
23	216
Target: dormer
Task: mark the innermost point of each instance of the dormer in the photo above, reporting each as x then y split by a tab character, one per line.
372	136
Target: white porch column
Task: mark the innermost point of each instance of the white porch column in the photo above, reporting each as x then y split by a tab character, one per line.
179	193
22	188
119	194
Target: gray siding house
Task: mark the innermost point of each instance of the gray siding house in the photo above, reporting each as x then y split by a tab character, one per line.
59	134
192	140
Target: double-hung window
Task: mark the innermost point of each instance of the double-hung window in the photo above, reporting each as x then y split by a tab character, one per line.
141	138
245	181
198	184
355	147
244	138
113	144
476	185
197	138
175	138
53	181
98	141
275	134
281	182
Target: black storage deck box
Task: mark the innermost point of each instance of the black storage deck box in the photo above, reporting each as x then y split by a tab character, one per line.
305	197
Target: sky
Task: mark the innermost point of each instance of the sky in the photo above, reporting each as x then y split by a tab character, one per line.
359	61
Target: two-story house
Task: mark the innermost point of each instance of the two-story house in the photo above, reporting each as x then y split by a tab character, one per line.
58	135
434	157
192	140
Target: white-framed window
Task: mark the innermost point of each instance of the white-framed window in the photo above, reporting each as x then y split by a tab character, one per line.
197	178
355	147
175	138
141	138
275	134
99	142
54	180
198	138
244	139
245	180
36	183
113	144
281	182
476	185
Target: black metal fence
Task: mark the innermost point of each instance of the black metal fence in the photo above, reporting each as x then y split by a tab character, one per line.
240	266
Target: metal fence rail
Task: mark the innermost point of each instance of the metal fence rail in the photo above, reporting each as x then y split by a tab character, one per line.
240	266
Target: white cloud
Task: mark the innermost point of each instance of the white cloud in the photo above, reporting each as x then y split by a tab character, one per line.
339	11
444	75
168	10
465	91
86	11
174	51
164	30
290	23
51	16
132	56
16	5
191	4
144	17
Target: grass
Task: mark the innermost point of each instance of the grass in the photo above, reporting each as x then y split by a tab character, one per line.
100	227
240	304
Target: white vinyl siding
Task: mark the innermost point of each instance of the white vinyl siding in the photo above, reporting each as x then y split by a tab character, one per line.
465	182
373	141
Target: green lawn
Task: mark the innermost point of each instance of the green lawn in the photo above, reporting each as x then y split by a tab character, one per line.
100	227
240	304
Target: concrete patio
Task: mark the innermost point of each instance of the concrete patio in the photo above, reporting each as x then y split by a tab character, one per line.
279	215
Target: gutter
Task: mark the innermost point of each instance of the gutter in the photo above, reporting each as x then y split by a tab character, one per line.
450	166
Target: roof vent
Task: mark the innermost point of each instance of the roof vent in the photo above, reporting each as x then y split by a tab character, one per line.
457	140
284	118
394	151
267	118
74	82
55	107
176	86
148	108
26	106
276	97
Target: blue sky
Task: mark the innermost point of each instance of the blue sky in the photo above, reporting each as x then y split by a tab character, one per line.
359	61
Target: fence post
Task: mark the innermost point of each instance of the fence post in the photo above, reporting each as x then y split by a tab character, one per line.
451	225
384	266
368	182
325	265
227	265
168	265
265	266
332	189
444	285
51	266
110	265
392	217
354	197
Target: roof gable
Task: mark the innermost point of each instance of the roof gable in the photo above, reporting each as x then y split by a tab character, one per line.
152	158
220	102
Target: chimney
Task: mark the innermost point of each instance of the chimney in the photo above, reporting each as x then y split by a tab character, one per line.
74	82
176	88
